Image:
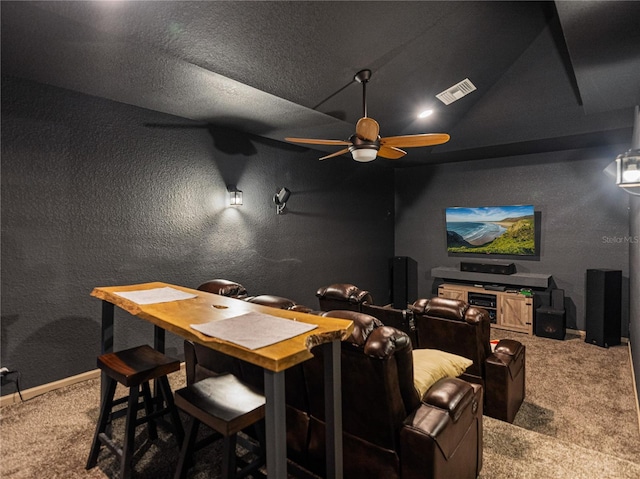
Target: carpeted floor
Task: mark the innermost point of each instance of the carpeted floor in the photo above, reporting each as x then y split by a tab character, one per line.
579	420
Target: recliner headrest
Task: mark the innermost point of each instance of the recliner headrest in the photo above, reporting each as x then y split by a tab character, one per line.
453	309
223	287
344	291
385	341
273	301
363	325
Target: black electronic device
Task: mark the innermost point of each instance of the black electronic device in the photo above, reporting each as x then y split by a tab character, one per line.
550	321
482	300
494	287
486	301
404	281
603	307
491	268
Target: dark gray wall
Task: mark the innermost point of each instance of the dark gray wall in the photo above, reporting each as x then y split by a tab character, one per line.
94	196
584	215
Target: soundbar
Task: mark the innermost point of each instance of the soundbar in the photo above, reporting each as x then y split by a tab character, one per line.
492	268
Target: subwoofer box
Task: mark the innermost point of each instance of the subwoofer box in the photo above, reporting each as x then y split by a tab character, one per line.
550	324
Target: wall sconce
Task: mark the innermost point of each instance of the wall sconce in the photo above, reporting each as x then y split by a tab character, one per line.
235	195
280	199
628	163
628	169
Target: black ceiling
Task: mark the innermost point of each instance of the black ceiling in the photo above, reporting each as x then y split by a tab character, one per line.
549	75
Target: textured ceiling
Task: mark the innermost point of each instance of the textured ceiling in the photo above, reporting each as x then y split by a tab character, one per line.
549	75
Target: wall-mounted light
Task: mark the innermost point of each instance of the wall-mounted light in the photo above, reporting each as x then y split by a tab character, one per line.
235	195
280	199
628	163
628	169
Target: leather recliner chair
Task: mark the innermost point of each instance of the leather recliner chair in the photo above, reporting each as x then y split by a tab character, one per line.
277	302
388	430
452	325
342	296
224	287
345	296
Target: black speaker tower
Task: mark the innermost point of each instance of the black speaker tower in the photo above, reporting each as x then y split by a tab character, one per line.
404	281
603	307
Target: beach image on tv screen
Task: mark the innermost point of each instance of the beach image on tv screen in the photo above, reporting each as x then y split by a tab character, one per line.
506	230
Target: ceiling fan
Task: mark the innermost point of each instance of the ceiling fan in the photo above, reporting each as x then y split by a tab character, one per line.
366	144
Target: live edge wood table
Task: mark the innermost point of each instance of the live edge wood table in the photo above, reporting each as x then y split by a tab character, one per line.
177	316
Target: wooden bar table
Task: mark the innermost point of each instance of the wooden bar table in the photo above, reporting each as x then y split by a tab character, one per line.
177	316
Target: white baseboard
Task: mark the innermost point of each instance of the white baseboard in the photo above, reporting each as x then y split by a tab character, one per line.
45	388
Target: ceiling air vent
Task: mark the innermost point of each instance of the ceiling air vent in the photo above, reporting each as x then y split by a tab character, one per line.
456	92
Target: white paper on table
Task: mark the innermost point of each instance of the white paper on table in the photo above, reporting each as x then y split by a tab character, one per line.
254	330
155	295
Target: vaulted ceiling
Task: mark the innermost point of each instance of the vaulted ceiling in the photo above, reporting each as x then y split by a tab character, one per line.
548	75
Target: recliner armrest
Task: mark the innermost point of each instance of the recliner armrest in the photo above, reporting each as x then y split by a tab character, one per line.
507	355
445	435
450	394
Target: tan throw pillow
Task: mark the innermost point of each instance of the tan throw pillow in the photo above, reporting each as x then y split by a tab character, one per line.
431	365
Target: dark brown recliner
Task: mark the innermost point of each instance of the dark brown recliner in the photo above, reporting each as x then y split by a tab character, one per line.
342	296
401	319
224	287
345	296
277	302
388	430
452	325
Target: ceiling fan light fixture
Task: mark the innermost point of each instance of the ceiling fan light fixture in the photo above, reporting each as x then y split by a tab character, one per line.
364	154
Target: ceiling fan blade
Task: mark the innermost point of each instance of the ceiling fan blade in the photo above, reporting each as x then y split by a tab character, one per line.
412	141
391	152
337	153
314	141
367	129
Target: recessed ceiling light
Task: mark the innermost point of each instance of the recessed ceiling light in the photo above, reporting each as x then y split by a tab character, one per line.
425	113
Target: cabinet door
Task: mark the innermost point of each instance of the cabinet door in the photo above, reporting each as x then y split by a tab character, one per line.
452	293
516	313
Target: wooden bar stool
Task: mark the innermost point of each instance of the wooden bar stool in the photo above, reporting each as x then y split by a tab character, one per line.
134	368
227	406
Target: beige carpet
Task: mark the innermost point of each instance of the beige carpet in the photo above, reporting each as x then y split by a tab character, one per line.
578	421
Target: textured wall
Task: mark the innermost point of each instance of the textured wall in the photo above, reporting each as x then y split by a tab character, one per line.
584	215
92	195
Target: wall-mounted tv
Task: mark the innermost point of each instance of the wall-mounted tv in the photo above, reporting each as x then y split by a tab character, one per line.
492	230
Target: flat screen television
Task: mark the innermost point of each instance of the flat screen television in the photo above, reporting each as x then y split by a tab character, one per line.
491	230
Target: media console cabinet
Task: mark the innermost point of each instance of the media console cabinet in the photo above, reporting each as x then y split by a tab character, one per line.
507	309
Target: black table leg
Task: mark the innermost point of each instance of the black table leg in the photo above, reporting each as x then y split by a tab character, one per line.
333	408
276	424
106	337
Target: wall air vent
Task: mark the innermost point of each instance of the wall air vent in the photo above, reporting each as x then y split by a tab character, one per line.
456	92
